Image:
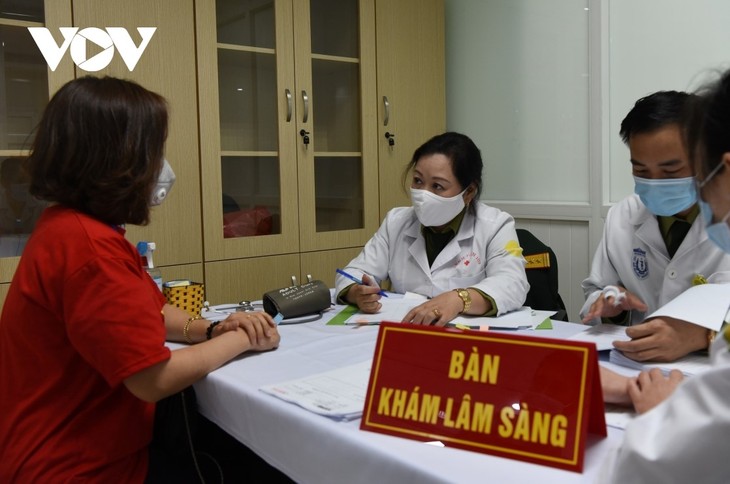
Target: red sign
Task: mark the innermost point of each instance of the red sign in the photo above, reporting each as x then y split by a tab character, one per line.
521	397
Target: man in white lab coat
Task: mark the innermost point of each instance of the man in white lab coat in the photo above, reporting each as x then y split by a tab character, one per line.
681	435
654	247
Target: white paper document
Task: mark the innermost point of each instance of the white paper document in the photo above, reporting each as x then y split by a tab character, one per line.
395	307
338	394
705	305
603	335
692	364
523	318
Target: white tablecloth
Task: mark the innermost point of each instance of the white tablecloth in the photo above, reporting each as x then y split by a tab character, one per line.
314	449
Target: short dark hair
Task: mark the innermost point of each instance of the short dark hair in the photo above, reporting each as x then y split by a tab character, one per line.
653	112
99	149
707	132
465	157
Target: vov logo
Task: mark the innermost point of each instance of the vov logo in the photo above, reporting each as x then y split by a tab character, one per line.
113	37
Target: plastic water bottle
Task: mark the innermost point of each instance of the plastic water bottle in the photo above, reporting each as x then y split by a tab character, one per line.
146	249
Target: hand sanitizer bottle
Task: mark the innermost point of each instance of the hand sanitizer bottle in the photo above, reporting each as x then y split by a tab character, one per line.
145	250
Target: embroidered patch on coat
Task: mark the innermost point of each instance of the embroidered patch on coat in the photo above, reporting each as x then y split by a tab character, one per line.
641	266
468	259
513	248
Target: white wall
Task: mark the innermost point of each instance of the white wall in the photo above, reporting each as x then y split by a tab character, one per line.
659	45
542	86
511	86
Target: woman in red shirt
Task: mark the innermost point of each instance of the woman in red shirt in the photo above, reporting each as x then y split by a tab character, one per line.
83	328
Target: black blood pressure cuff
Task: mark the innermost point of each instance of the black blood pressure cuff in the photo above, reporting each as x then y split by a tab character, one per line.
295	301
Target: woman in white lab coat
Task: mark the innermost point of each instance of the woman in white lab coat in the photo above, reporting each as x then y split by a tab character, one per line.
683	435
448	246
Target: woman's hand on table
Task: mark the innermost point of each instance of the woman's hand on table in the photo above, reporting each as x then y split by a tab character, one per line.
260	329
615	387
651	388
436	311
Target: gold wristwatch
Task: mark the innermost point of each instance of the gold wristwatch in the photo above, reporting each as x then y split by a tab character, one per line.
465	297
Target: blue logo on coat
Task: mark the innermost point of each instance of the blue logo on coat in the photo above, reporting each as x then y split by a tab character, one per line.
641	267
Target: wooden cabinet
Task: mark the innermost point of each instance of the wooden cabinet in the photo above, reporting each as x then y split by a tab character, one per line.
26	87
296	170
288	136
167	66
411	88
247	81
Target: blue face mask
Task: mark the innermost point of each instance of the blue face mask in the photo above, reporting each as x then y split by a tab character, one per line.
718	233
666	196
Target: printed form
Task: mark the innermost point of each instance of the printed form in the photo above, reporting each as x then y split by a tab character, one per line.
338	394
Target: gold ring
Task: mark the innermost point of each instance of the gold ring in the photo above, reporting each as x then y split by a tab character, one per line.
437	313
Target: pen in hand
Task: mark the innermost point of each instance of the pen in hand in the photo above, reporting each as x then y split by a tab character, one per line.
358	281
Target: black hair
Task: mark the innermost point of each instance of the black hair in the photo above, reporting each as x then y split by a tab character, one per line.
465	157
655	111
707	132
99	149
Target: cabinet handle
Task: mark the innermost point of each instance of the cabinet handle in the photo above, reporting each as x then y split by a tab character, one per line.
305	99
386	108
288	105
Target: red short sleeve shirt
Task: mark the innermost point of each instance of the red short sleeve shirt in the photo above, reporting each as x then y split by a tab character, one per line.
81	316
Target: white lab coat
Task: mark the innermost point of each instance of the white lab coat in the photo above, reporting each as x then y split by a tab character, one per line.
633	254
683	439
484	254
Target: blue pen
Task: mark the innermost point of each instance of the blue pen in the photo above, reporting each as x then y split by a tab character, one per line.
358	281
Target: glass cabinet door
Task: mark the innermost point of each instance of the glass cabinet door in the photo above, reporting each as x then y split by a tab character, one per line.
247	97
23	96
336	164
288	162
336	89
245	66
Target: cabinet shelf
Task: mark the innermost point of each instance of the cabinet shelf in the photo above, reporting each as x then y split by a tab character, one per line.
336	58
20	23
260	154
246	48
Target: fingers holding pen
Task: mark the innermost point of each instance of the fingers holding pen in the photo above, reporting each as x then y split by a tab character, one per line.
366	297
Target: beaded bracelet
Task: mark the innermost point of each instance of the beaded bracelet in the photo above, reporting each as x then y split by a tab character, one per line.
209	331
186	328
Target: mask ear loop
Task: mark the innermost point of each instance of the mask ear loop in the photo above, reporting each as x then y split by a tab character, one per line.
699	185
709	177
468	190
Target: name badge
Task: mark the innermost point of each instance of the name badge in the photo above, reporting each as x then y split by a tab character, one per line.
521	397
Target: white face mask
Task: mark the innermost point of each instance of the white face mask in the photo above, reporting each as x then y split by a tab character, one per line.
164	184
434	211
